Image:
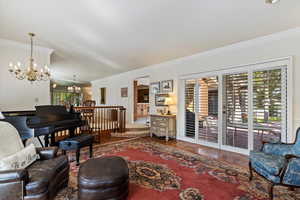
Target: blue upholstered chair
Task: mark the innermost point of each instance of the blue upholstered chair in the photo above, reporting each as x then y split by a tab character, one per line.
279	163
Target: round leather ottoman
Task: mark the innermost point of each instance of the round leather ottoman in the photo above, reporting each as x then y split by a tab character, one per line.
103	179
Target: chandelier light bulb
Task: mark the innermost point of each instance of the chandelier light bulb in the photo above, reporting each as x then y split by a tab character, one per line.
272	1
74	88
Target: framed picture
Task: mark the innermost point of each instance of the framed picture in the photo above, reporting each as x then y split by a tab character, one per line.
167	86
124	92
160	99
155	88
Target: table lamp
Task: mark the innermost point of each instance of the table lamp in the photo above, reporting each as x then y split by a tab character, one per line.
168	102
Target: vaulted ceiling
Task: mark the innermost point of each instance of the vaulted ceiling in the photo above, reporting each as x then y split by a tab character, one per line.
94	39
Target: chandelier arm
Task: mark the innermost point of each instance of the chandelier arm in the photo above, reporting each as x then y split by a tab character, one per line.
31	44
31	50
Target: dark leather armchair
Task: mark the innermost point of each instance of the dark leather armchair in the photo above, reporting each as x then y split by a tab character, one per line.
39	181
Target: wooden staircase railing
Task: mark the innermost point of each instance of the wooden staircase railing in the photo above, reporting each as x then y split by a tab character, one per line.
104	118
100	119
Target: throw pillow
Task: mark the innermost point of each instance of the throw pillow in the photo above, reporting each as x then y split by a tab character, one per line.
20	159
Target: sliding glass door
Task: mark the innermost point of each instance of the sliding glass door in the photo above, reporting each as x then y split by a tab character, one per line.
237	111
208	109
201	109
269	105
190	108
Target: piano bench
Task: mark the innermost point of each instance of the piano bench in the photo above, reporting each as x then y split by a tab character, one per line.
76	143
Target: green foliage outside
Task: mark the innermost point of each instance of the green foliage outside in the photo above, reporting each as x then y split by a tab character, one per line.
267	95
65	98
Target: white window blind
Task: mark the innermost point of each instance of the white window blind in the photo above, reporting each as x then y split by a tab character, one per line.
235	104
208	109
190	108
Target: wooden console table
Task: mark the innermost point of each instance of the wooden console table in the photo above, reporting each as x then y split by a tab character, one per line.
163	125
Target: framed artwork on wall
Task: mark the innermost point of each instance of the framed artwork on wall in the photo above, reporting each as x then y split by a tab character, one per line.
160	99
155	88
167	86
103	95
124	92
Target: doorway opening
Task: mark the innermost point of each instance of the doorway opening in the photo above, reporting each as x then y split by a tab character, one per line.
141	100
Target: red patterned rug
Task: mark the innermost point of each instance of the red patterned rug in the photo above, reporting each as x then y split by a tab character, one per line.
160	172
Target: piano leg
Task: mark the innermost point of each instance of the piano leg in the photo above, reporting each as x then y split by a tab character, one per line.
24	142
52	139
77	157
46	138
72	132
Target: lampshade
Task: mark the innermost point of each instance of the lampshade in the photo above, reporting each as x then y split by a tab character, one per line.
1	116
168	101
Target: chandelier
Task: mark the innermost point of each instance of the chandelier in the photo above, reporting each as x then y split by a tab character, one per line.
272	1
74	88
31	73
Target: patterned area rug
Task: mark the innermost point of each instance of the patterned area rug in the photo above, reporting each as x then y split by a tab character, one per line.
131	134
166	173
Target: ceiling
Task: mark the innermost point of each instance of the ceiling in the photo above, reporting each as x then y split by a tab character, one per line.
94	39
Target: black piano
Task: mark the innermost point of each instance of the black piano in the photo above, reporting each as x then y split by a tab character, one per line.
45	121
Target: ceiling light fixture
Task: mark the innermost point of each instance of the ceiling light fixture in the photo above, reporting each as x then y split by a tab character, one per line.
272	1
32	73
74	88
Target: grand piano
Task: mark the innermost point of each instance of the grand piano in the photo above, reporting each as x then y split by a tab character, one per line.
45	121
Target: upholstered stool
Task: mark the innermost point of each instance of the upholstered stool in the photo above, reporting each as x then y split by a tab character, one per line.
76	143
103	179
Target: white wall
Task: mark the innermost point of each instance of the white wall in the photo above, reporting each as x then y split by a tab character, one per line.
274	46
20	94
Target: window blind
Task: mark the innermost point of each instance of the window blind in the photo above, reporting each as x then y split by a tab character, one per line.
208	109
236	110
190	108
236	98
